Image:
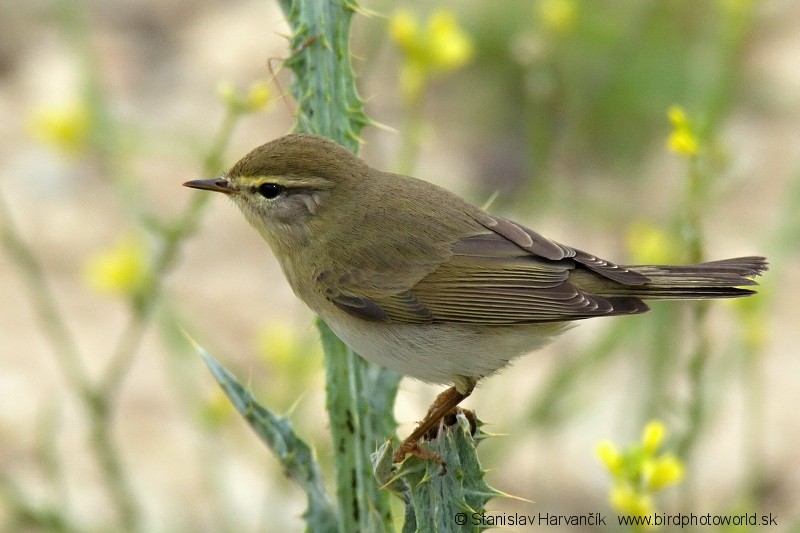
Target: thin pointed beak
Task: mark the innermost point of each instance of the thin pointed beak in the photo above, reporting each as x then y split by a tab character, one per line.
214	184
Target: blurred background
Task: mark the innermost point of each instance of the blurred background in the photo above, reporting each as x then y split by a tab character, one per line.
640	130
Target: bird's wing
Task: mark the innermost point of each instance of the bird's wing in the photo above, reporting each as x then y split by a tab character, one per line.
508	275
541	246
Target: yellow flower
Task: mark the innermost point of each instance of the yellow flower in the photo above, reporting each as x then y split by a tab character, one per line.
557	16
682	140
610	456
65	128
662	471
450	47
438	48
638	473
677	116
403	28
653	436
255	99
258	95
627	500
119	270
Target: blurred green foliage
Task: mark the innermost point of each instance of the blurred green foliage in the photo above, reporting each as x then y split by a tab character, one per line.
585	85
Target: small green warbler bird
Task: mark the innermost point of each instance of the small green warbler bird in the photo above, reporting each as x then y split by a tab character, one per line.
418	280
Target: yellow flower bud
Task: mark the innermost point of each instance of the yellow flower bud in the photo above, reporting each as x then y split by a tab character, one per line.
677	116
119	270
440	47
653	436
663	471
65	128
610	456
258	96
625	499
683	142
403	28
450	47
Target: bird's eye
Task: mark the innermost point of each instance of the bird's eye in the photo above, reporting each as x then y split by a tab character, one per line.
270	190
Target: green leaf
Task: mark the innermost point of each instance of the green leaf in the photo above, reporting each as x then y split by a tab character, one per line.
435	494
295	455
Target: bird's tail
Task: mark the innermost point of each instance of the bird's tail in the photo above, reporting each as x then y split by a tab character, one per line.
715	279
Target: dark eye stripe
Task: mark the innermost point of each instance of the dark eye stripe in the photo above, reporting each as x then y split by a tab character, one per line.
270	190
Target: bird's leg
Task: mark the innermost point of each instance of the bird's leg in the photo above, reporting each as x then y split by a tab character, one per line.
441	406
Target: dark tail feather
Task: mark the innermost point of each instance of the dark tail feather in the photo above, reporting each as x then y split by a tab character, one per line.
715	279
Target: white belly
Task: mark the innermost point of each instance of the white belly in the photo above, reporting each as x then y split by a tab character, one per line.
436	353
